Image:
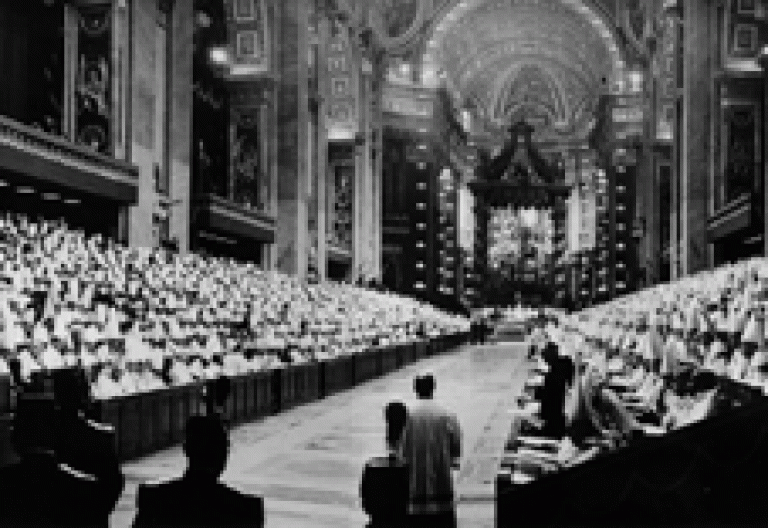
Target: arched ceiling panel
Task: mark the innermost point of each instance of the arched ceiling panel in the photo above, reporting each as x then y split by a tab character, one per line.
535	84
490	90
513	57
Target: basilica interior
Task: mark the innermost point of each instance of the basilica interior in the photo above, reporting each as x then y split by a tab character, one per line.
315	199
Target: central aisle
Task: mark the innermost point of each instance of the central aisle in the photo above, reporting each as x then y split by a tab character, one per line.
307	462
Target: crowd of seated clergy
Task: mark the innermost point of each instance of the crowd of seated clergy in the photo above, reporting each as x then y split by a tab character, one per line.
139	319
641	365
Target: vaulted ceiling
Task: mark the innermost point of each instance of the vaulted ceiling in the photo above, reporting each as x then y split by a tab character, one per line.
542	60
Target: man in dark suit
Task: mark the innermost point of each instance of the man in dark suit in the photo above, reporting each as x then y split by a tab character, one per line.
83	444
198	499
552	393
41	492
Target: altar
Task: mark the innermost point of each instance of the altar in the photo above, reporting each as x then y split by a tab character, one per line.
520	229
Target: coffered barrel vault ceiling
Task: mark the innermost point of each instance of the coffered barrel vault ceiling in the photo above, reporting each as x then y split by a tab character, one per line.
542	60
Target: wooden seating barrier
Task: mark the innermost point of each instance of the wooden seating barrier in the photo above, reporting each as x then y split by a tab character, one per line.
147	422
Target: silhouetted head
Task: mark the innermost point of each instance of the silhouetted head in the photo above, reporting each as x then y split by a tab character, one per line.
71	390
395	414
424	385
550	353
34	425
206	445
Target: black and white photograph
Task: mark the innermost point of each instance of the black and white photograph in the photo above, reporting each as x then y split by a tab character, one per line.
383	263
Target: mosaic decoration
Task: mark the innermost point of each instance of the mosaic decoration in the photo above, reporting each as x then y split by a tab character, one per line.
93	86
248	37
341	88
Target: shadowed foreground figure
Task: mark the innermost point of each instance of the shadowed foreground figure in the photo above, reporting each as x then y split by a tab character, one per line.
41	492
384	485
198	499
81	443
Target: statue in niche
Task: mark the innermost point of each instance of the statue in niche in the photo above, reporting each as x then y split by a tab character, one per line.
93	85
247	164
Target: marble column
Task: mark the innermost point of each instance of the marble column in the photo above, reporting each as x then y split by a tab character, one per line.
322	172
142	126
368	200
695	136
377	206
293	116
180	121
358	231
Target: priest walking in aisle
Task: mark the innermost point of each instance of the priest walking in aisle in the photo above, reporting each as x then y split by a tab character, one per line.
431	448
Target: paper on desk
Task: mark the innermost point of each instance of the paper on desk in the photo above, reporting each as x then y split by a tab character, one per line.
538	441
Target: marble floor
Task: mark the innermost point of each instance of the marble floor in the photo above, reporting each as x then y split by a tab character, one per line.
306	462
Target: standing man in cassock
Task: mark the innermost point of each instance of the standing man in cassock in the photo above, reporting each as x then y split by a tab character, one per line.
431	447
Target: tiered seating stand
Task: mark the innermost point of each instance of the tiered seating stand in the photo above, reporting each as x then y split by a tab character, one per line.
148	422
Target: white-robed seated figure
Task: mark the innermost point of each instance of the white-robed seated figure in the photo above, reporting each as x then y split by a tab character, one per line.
96	287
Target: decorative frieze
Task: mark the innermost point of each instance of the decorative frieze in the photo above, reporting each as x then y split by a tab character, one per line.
249	39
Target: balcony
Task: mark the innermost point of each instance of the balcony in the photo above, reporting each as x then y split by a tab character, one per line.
224	216
36	154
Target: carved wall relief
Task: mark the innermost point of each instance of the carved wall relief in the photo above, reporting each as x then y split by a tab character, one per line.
340	234
93	87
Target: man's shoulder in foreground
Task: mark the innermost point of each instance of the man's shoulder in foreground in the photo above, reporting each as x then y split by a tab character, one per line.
185	502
